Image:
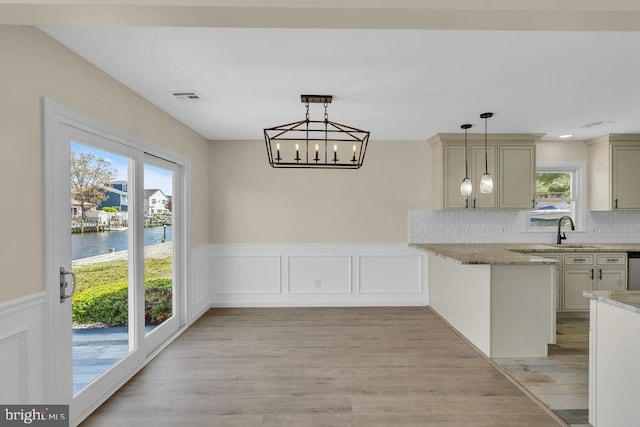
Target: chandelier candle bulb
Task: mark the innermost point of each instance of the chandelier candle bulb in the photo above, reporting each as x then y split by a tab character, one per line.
317	158
297	153
354	154
335	153
278	158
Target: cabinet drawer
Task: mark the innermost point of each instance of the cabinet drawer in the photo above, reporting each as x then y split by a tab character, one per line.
611	259
578	259
556	257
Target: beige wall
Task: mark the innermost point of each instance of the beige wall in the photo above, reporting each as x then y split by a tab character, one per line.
36	66
237	197
254	203
561	151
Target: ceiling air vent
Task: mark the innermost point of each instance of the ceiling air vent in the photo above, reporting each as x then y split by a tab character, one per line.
594	124
188	96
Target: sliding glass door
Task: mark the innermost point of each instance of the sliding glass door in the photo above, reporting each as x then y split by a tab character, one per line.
114	259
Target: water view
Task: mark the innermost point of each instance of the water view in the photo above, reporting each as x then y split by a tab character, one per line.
91	244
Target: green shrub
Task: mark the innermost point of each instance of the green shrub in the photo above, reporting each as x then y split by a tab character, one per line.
108	303
158	304
102	304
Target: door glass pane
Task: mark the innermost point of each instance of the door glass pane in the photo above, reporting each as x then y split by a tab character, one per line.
100	241
158	246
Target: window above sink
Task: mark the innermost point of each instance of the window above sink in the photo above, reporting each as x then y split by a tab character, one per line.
560	191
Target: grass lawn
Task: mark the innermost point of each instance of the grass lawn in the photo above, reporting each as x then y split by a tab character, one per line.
105	273
102	292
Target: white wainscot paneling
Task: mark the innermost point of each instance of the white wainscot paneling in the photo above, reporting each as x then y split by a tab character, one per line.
390	274
200	282
318	275
238	274
314	274
13	367
22	350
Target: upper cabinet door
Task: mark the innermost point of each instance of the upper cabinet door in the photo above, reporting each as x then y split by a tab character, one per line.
478	199
511	160
516	184
453	173
626	177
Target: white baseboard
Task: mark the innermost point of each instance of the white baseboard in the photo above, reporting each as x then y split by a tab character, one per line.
317	275
22	349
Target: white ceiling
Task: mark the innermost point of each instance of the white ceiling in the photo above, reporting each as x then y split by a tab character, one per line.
398	84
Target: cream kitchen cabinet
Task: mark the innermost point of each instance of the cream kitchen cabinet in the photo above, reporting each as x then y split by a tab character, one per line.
576	281
480	200
452	167
613	172
593	271
517	179
611	272
453	171
511	163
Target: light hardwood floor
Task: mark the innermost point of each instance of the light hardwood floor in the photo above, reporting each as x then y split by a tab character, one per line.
319	367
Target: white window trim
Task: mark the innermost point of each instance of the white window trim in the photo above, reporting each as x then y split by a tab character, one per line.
579	169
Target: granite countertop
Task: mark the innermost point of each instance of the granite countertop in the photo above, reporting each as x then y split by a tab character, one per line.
516	253
626	300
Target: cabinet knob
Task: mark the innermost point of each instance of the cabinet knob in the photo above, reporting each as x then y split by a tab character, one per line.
474	203
600	274
466	203
592	274
615	204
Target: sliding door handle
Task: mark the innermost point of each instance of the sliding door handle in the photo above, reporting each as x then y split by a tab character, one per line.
63	284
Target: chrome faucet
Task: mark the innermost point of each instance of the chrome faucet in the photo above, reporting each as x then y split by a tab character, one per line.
562	236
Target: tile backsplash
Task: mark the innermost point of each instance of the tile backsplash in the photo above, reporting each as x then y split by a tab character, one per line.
510	227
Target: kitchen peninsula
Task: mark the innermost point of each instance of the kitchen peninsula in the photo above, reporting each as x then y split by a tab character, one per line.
500	300
614	351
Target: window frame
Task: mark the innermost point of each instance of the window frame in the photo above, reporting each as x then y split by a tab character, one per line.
578	171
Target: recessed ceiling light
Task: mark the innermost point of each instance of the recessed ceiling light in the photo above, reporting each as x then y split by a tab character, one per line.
569	135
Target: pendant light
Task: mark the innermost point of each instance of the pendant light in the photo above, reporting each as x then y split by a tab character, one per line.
486	182
466	187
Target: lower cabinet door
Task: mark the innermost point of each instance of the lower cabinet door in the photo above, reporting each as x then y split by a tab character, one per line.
576	281
611	279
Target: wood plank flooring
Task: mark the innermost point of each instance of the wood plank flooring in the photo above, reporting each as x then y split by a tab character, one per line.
319	367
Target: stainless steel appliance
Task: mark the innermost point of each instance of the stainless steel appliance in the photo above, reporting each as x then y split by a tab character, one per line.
634	271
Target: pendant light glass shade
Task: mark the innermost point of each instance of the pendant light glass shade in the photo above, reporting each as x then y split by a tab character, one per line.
466	187
486	182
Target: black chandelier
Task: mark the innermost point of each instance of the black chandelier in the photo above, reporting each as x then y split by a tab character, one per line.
316	143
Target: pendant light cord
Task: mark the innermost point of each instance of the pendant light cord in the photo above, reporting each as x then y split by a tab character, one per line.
486	161
466	168
466	164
